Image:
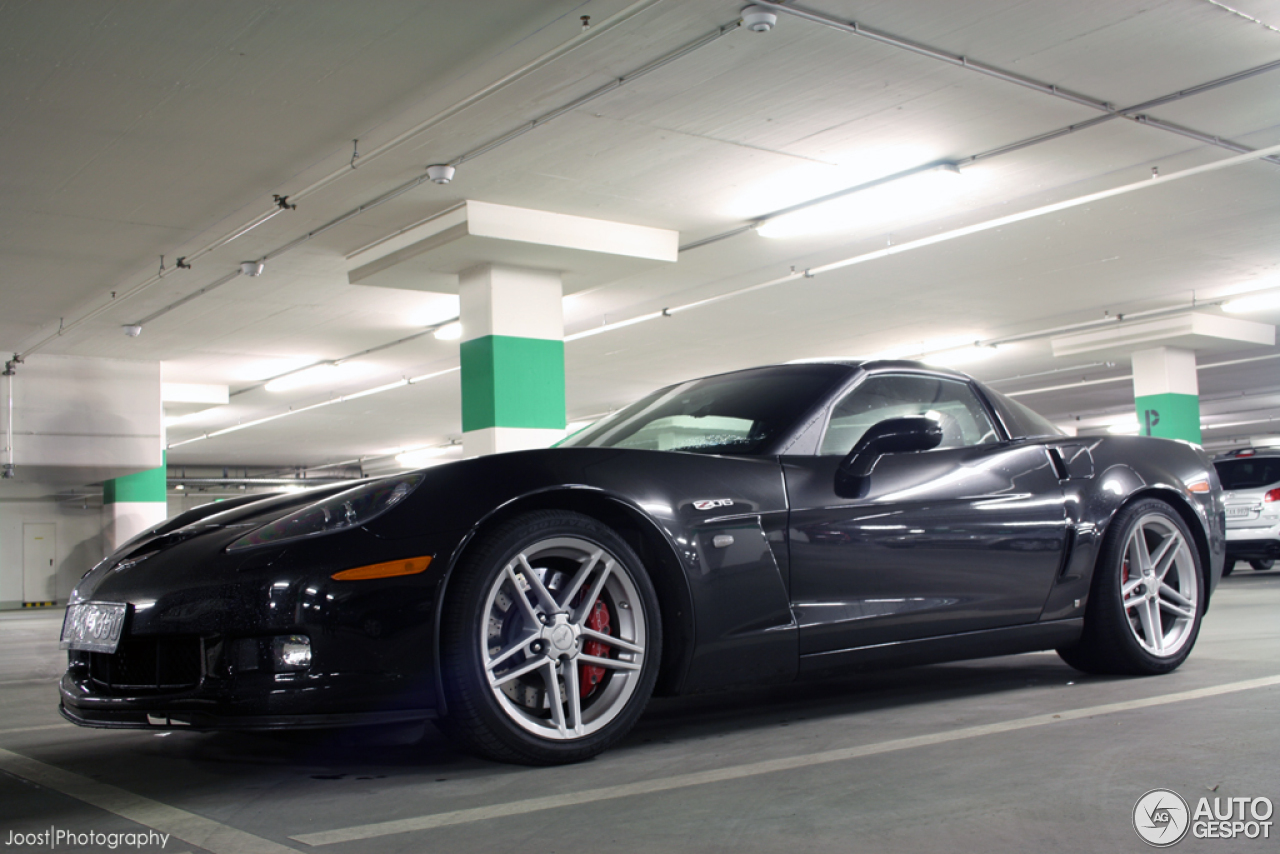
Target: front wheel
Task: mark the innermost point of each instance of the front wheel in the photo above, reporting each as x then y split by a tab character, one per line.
550	641
1262	565
1147	596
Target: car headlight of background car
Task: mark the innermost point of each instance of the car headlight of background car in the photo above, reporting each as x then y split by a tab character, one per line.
339	512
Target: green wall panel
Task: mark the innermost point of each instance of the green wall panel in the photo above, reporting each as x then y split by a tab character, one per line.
149	485
512	382
1170	416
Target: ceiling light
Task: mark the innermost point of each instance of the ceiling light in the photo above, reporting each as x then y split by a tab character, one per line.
252	268
1253	302
440	173
172	420
314	375
1127	426
449	332
959	356
133	330
918	349
870	206
758	19
424	457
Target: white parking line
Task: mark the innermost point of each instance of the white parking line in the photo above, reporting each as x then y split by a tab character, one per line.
191	828
754	769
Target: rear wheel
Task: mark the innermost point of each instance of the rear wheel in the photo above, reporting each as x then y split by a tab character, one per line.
1261	565
1147	596
550	641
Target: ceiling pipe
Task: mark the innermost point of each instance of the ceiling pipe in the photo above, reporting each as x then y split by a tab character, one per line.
665	59
959	60
8	472
525	70
942	237
1119	378
654	65
1028	142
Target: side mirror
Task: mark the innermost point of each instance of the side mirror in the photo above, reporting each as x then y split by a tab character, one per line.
891	436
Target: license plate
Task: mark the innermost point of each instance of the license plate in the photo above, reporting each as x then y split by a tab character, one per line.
1239	512
93	626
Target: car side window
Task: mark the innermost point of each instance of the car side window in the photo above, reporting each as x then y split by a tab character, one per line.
952	403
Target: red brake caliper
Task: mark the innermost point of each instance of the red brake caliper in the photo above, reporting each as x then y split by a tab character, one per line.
592	674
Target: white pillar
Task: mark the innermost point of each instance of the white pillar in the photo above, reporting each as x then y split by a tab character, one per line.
512	357
1166	393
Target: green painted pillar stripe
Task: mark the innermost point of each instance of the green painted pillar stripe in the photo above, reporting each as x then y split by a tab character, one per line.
512	382
149	485
1170	416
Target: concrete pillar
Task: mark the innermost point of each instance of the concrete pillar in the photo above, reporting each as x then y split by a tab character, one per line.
133	503
1166	393
512	358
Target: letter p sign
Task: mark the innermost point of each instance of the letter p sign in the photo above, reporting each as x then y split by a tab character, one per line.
1150	418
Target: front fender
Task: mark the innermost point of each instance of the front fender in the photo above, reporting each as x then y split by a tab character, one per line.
714	528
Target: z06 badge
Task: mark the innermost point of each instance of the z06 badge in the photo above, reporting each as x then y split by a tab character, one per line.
712	503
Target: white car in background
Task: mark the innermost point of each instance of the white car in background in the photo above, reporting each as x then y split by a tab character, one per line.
1251	485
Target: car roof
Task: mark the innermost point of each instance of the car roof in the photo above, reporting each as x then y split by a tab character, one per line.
1245	453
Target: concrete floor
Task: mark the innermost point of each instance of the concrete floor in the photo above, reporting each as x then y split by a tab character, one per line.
1012	754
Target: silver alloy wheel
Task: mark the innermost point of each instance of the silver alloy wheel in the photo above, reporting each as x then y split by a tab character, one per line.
563	640
1159	586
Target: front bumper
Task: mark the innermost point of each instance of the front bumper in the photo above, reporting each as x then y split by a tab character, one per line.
208	692
196	647
160	719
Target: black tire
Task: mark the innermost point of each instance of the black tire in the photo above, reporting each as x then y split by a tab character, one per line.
1135	623
1261	565
525	681
1229	567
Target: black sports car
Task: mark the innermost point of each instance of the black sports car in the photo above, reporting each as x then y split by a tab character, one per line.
757	526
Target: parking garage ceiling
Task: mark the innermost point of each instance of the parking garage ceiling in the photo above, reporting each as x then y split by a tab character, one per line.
136	131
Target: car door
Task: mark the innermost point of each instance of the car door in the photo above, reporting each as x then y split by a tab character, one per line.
964	537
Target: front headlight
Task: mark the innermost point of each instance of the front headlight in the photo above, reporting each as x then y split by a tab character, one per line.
349	509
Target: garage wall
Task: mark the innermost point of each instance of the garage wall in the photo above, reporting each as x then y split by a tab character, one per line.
79	545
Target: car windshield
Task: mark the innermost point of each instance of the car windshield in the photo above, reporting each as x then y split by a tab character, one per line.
739	413
1250	473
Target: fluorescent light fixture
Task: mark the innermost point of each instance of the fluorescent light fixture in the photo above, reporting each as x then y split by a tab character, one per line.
314	375
301	409
918	349
449	332
171	420
915	193
1253	302
268	368
1126	426
424	457
959	356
